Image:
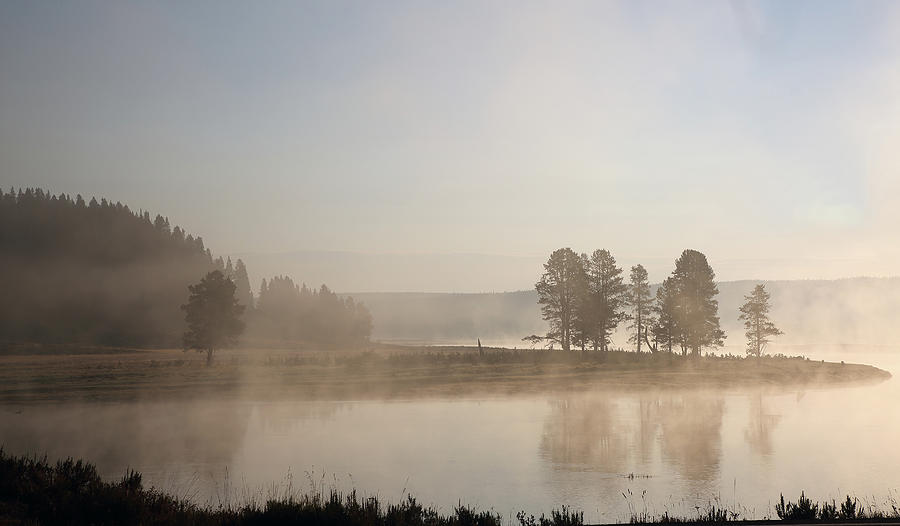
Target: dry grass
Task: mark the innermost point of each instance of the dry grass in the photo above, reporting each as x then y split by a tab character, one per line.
388	373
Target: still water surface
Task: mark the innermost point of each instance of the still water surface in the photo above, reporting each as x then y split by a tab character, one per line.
607	453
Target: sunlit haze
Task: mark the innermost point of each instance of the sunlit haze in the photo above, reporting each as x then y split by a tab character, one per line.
763	133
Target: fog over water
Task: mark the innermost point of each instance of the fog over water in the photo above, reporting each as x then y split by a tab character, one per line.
667	450
298	189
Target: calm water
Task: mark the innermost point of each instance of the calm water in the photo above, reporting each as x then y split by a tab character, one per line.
683	448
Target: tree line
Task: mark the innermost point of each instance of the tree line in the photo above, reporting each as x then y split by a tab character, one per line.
298	313
584	298
97	272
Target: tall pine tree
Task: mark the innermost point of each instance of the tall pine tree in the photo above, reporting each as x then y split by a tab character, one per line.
606	296
755	315
664	328
696	313
641	302
242	282
558	294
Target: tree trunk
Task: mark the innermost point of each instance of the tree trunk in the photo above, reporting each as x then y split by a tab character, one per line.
209	353
638	322
652	348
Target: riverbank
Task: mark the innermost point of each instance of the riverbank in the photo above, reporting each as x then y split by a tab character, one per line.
37	491
391	372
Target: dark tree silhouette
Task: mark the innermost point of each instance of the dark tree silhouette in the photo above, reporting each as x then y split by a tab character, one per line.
605	298
640	301
664	328
212	314
238	274
755	315
696	309
558	292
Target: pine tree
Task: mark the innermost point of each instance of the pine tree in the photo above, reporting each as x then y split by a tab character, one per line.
696	313
664	328
212	314
640	301
585	314
755	315
606	297
558	294
242	282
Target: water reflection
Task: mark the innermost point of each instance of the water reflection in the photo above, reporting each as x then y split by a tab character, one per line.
616	433
286	418
121	435
760	426
532	452
584	433
691	438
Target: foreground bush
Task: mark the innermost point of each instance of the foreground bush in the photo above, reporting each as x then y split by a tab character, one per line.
69	492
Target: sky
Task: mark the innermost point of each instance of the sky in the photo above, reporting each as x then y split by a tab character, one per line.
762	133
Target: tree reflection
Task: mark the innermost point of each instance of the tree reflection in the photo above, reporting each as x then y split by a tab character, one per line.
130	435
630	433
581	433
760	426
691	437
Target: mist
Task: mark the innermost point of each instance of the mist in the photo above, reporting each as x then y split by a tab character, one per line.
462	263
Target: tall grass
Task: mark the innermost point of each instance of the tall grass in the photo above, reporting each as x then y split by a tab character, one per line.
70	492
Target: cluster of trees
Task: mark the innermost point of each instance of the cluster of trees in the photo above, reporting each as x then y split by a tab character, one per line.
585	298
93	272
294	312
97	272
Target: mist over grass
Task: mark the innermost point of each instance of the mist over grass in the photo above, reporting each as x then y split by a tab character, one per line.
391	372
859	311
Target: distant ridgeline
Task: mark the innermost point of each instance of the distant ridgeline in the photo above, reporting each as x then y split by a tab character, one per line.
99	273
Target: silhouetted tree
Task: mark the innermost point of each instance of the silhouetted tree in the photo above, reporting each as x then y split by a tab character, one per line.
605	298
212	314
664	328
641	303
558	294
696	310
755	315
238	274
585	314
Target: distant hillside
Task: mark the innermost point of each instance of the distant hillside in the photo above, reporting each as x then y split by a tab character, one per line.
859	310
94	272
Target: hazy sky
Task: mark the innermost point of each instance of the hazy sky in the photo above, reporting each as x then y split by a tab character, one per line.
754	131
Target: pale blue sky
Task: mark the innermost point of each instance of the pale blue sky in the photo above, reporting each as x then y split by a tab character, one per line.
748	130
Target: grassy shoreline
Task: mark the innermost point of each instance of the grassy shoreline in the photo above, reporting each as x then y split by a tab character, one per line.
264	374
36	491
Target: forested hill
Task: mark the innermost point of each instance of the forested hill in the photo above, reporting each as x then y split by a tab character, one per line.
844	311
96	272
